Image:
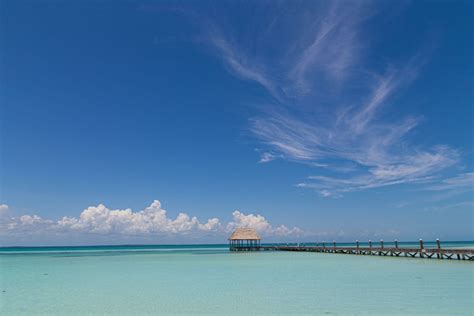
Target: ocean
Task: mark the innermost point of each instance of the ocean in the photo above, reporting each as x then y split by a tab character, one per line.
210	280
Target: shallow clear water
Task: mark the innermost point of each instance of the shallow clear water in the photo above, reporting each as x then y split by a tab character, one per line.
208	279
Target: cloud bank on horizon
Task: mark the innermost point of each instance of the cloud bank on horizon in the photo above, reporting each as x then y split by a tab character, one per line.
327	105
151	221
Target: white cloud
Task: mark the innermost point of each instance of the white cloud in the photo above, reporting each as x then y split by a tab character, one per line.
378	151
451	207
3	210
450	187
461	182
27	220
319	118
152	221
410	169
329	45
326	45
259	223
267	157
241	66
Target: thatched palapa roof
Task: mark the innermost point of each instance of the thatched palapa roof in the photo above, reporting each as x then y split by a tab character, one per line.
244	234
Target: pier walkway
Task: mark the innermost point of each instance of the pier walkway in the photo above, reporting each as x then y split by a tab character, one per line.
419	252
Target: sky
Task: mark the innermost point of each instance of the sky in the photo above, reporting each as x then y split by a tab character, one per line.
177	121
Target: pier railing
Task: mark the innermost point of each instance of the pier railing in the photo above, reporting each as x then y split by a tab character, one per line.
374	250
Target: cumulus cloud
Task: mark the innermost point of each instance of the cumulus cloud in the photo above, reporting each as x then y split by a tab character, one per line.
102	220
3	210
259	223
152	221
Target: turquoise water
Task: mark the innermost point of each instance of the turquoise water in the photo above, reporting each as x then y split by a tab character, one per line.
207	279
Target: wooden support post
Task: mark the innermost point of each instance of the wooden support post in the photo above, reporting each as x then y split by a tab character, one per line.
396	243
381	243
334	244
438	244
357	243
421	248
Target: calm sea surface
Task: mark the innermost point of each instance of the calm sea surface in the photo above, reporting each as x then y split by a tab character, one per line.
207	279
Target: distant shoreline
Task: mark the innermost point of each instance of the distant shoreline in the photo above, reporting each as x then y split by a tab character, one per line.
343	243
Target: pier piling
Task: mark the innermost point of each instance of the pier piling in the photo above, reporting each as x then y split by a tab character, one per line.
421	248
413	252
438	245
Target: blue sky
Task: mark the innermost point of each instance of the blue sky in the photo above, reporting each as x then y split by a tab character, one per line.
306	120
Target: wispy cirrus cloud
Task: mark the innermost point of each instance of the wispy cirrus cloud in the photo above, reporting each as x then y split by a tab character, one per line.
462	182
243	67
346	126
267	157
453	186
451	207
329	47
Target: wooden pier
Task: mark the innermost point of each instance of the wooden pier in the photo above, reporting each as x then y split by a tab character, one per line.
381	250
